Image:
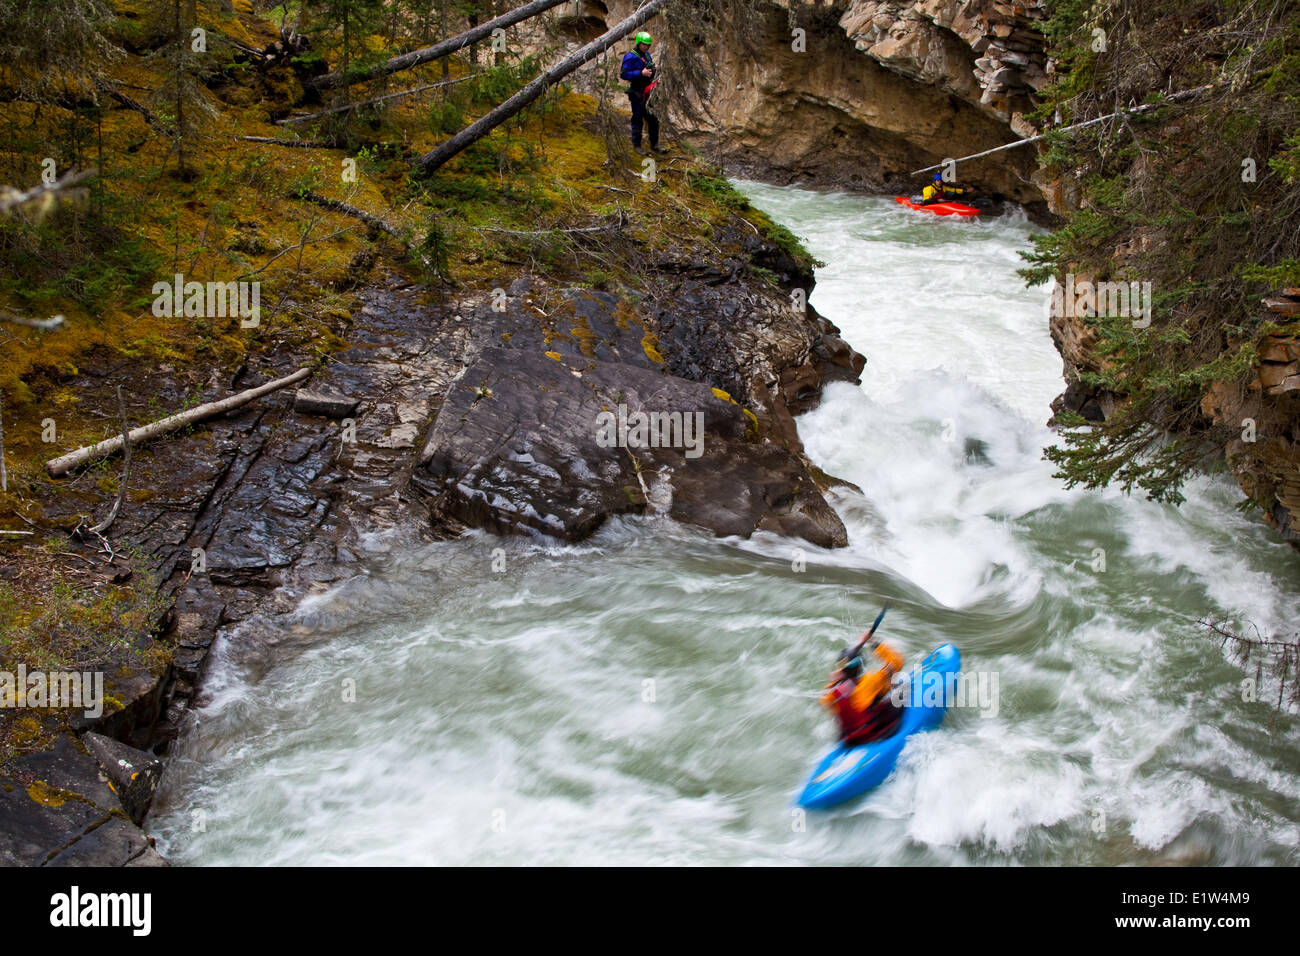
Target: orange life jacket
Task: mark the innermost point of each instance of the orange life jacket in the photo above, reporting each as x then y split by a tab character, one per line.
852	701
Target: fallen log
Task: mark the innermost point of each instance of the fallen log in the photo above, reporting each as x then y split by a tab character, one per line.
1282	305
123	100
58	467
546	232
430	53
45	325
476	131
300	143
347	210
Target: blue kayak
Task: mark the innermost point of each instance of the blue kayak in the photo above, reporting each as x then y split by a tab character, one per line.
848	772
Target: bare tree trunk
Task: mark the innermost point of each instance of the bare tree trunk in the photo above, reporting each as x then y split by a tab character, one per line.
347	210
119	97
180	96
476	131
436	52
68	184
498	56
61	466
442	30
300	143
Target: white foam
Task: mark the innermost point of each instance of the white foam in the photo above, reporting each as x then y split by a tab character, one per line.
1120	733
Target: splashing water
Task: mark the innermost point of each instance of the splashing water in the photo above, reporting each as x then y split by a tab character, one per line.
649	697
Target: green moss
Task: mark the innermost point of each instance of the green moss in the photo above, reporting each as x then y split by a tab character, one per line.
718	190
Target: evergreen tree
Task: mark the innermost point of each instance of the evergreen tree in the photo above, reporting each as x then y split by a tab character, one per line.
186	64
347	23
56	53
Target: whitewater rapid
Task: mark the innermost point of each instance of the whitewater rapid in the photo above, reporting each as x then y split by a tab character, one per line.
649	697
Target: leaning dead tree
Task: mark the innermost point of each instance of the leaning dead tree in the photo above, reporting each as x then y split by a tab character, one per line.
428	54
61	466
1131	111
476	131
1178	97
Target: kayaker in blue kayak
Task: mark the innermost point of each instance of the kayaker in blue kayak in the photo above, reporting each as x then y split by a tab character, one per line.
939	191
861	702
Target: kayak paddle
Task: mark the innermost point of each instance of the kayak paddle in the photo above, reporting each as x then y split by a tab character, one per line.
867	636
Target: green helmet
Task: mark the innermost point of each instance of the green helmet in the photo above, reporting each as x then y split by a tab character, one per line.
642	37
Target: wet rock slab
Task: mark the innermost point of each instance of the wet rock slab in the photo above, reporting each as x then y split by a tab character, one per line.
327	404
528	441
278	501
57	809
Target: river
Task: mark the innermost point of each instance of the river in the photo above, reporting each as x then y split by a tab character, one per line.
649	696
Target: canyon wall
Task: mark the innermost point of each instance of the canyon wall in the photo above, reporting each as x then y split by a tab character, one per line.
881	88
870	92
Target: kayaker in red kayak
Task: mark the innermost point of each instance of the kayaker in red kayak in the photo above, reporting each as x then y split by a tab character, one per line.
939	191
861	702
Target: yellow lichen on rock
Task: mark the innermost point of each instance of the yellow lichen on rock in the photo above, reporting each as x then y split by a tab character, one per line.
650	345
42	793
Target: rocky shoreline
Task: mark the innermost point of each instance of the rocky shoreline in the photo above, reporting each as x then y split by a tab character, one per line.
441	413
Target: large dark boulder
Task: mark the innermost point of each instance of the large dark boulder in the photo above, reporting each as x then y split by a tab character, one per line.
523	442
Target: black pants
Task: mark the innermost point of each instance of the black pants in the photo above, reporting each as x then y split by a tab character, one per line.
639	113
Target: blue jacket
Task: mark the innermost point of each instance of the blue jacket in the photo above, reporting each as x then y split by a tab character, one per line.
633	64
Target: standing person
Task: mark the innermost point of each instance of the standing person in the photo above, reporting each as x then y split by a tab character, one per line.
639	72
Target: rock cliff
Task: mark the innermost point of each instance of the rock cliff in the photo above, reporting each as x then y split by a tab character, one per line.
872	91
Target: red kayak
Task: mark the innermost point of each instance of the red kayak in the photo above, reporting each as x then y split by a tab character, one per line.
939	208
